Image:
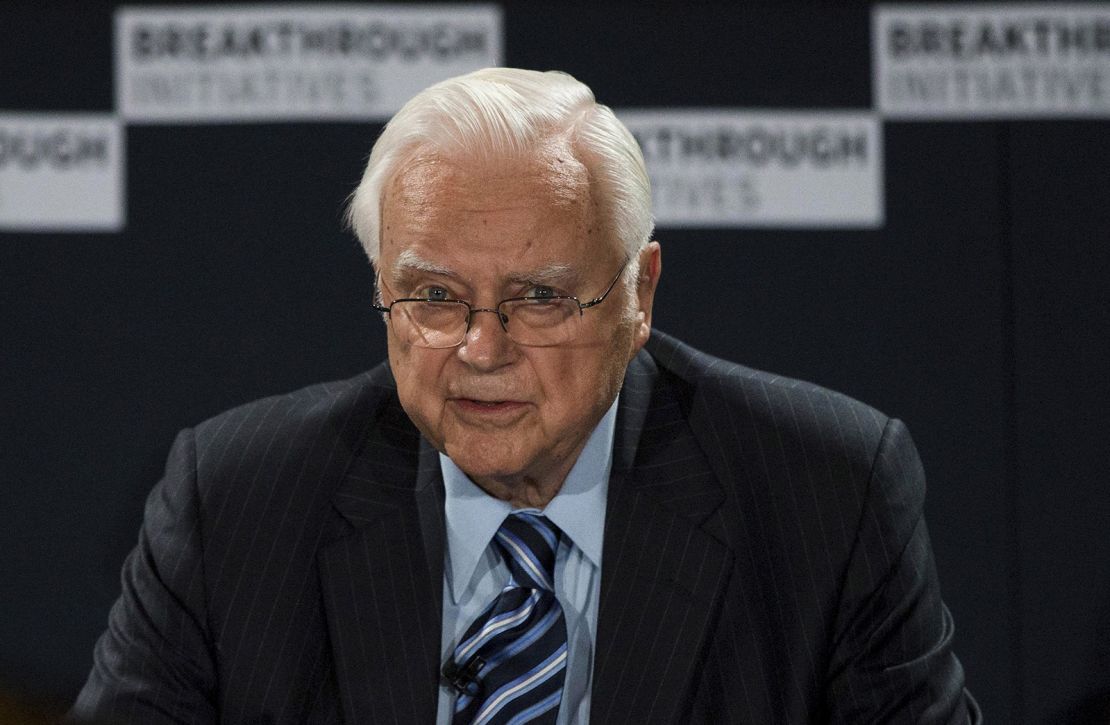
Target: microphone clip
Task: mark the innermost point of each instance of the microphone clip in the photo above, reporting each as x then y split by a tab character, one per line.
464	678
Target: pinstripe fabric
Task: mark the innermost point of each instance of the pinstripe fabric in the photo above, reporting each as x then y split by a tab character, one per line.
766	561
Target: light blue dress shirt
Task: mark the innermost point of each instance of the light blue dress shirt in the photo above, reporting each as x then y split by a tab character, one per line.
473	573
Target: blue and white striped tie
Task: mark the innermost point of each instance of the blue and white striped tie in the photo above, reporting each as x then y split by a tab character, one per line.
515	652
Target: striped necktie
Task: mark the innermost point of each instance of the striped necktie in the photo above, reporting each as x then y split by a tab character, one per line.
510	665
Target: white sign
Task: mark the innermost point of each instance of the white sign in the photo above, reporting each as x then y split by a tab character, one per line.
290	62
61	172
992	61
729	168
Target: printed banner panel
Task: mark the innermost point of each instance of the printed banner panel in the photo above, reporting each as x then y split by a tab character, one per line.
290	62
992	61
61	172
732	168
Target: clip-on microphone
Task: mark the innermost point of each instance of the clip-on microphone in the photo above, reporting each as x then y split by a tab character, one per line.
464	678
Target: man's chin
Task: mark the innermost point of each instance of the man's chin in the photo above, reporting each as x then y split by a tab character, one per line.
477	464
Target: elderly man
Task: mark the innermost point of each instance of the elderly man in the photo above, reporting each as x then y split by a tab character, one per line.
539	509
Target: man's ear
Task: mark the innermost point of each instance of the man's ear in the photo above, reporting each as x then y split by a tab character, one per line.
651	266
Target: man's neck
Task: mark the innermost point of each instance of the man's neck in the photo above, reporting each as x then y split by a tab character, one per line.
523	492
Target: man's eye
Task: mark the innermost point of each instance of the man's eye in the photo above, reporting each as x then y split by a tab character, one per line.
542	292
433	293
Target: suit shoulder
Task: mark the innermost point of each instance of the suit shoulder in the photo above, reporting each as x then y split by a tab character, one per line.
760	402
331	414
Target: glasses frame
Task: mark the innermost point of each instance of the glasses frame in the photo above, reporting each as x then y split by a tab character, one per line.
502	317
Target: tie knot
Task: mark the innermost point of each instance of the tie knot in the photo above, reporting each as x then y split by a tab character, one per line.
528	543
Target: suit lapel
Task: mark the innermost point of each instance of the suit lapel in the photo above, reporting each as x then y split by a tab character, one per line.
382	576
662	576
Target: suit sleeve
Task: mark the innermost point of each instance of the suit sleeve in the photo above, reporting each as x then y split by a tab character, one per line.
155	663
892	659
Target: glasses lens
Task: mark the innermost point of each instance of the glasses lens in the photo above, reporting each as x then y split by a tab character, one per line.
541	322
430	324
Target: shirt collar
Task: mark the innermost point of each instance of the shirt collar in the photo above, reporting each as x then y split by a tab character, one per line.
473	516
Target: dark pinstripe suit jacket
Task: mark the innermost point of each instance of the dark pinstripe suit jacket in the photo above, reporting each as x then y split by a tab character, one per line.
765	561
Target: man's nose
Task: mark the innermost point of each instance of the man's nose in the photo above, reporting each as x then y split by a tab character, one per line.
487	345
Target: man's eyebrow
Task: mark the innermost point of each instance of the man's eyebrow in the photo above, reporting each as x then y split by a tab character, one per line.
409	261
549	274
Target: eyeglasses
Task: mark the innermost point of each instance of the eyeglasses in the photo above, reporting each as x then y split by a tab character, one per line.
531	321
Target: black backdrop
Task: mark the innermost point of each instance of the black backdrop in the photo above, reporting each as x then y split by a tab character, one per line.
978	314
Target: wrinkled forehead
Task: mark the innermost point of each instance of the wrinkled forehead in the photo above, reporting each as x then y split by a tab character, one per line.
433	196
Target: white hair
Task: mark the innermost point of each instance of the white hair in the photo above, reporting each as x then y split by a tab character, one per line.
498	113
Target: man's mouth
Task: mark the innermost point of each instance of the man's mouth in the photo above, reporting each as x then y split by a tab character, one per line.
475	405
